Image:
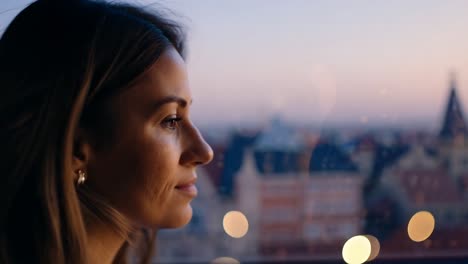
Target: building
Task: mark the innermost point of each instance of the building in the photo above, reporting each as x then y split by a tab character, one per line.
333	197
430	175
268	187
297	198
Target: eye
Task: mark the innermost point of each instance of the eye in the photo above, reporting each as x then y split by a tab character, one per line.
172	122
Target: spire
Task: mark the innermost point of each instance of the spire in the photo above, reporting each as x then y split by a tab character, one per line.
454	123
453	80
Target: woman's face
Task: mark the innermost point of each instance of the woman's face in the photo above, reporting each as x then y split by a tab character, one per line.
148	173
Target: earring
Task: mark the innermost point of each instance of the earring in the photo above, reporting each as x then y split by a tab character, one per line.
81	177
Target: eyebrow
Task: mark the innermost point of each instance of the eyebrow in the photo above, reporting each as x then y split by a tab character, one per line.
170	99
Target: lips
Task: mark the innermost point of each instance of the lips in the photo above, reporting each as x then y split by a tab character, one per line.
188	187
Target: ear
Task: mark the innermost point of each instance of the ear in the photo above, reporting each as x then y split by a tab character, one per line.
82	150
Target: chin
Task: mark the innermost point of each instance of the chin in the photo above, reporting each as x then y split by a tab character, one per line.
179	218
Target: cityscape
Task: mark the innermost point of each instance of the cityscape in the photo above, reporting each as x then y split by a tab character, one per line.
304	192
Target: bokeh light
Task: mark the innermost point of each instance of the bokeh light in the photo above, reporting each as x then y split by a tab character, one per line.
225	260
357	250
235	224
421	226
375	247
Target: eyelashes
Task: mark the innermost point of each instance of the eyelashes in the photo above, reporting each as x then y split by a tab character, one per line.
172	123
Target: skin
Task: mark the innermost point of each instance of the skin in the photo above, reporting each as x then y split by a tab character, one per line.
148	173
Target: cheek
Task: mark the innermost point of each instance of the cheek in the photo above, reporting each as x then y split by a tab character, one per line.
158	170
158	165
141	175
157	188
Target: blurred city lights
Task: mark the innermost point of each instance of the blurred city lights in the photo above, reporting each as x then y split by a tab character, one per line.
421	226
235	224
357	250
375	247
225	260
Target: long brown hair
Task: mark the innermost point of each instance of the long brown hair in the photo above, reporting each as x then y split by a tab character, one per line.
60	63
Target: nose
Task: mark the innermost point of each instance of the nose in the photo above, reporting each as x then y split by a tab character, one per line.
197	151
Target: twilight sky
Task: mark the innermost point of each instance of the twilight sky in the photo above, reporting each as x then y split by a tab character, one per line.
330	61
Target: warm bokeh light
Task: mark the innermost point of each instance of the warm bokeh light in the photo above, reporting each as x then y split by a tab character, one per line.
420	226
357	250
225	260
235	224
375	247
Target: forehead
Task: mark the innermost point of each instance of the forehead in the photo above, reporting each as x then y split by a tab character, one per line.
166	77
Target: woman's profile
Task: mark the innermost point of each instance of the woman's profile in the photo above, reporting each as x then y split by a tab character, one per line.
97	142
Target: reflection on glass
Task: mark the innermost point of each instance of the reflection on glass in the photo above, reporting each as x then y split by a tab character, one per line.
420	226
235	224
375	247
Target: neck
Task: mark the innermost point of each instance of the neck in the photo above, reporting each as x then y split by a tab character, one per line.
103	242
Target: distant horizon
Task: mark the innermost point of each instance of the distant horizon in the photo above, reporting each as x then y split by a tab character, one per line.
430	126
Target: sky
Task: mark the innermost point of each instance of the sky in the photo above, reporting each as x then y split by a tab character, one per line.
317	62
